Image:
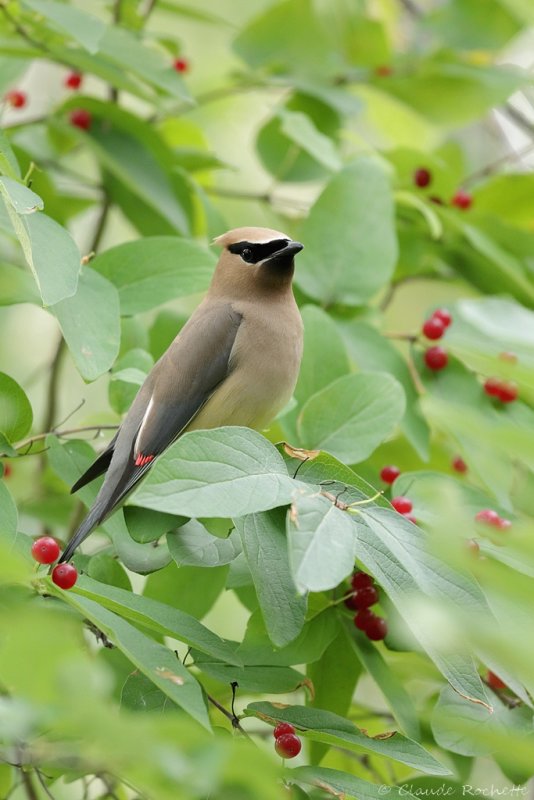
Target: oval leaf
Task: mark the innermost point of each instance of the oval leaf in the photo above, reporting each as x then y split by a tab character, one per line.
15	410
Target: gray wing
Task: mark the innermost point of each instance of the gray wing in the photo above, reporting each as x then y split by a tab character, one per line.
173	393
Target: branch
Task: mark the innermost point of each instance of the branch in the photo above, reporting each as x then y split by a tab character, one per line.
27	782
411	8
490	168
70	432
51	392
20	29
519	118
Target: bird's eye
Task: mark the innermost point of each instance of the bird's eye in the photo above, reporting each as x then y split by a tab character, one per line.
246	254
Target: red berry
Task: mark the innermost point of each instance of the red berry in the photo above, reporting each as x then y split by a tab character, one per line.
7	471
443	315
363	617
365	597
411	518
492	387
181	65
288	745
16	98
383	71
65	575
494	681
503	524
45	550
433	328
507	392
402	504
73	80
360	580
376	628
436	358
389	473
81	118
458	464
488	516
350	602
283	728
422	177
462	199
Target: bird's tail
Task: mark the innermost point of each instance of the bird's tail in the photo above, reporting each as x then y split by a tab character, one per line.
93	518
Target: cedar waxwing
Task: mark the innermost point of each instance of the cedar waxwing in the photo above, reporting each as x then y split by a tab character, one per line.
235	362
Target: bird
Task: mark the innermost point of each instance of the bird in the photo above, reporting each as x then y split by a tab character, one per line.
235	362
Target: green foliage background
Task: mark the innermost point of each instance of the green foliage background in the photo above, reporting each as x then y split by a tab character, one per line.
228	564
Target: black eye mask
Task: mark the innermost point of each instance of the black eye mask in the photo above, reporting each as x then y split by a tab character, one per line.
252	252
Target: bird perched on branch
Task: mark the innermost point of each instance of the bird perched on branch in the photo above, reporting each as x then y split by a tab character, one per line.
235	362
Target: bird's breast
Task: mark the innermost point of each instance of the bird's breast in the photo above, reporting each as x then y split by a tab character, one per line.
264	367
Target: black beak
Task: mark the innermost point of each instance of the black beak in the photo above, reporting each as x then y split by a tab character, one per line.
285	255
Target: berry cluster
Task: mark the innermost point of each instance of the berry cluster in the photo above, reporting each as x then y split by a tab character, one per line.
490	517
422	178
73	80
286	743
436	358
364	595
505	391
45	550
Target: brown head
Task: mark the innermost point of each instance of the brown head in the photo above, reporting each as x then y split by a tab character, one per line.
254	260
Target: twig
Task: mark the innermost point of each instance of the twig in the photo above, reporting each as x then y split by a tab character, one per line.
520	120
70	432
43	784
489	169
264	197
150	6
411	8
403	337
27	782
51	392
20	29
101	223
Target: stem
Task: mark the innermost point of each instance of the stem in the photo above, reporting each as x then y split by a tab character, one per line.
411	8
403	337
27	782
489	169
43	784
51	392
150	6
101	224
520	120
20	29
69	432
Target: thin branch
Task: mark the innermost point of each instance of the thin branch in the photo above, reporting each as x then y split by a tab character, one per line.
489	169
27	782
150	6
101	224
43	784
51	391
411	8
70	432
264	197
20	29
403	337
519	118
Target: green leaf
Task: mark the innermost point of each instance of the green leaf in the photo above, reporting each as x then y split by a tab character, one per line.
16	413
191	589
269	41
510	197
16	286
149	526
226	472
153	271
8	513
309	646
89	322
466	24
157	617
8	163
127	376
300	129
351	247
396	552
191	545
106	569
265	547
154	660
371	351
334	677
275	680
342	784
48	248
322	543
82	27
23	200
385	678
323	726
472	730
352	416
